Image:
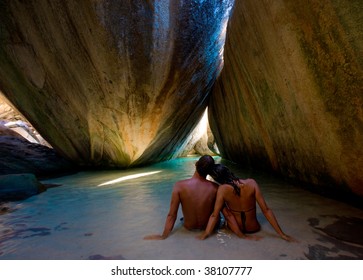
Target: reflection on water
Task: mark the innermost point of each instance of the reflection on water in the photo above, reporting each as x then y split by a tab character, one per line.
106	214
128	177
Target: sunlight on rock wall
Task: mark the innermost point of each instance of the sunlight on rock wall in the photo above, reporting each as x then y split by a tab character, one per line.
112	83
290	95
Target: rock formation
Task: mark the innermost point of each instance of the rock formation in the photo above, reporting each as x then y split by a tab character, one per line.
200	140
112	83
6	111
290	96
19	186
18	155
122	83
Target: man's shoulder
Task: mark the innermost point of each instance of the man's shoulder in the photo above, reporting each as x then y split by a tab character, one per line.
187	183
182	182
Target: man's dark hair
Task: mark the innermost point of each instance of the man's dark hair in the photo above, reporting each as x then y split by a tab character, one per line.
204	165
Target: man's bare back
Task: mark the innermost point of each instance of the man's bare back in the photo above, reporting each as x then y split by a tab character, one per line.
197	196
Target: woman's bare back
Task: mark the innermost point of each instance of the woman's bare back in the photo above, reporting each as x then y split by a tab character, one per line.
243	207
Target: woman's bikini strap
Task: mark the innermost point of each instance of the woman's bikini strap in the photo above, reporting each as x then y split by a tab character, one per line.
253	208
243	216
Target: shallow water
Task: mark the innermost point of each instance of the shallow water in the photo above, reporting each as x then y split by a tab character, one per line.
106	214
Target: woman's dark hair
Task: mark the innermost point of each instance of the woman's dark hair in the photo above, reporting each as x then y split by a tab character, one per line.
204	165
223	175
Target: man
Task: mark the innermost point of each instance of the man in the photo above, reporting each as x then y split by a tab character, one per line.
196	195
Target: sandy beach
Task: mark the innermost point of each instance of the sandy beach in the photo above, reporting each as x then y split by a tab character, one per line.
106	214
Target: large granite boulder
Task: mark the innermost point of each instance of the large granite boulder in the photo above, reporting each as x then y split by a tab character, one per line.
112	83
12	119
200	139
18	155
290	96
19	186
6	111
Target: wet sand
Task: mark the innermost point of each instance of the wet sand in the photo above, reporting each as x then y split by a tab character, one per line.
91	217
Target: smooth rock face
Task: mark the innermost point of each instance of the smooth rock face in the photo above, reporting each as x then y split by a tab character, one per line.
19	186
6	111
290	96
112	83
18	155
12	119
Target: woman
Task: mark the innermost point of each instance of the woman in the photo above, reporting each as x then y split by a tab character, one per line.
238	198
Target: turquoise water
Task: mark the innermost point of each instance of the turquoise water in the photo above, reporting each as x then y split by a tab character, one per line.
106	214
90	215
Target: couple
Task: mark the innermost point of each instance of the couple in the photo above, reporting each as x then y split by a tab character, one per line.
203	200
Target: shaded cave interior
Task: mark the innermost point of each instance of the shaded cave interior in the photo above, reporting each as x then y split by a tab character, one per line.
200	141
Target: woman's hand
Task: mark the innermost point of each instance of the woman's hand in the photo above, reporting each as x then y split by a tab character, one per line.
154	237
288	238
202	236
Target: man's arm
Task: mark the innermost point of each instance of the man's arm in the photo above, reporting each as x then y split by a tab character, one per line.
170	219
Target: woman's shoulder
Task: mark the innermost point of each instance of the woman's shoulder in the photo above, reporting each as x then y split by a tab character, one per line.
225	188
248	183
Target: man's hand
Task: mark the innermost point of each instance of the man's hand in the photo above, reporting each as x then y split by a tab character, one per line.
154	237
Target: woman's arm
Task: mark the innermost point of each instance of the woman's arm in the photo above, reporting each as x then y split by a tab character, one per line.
213	219
232	223
268	213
